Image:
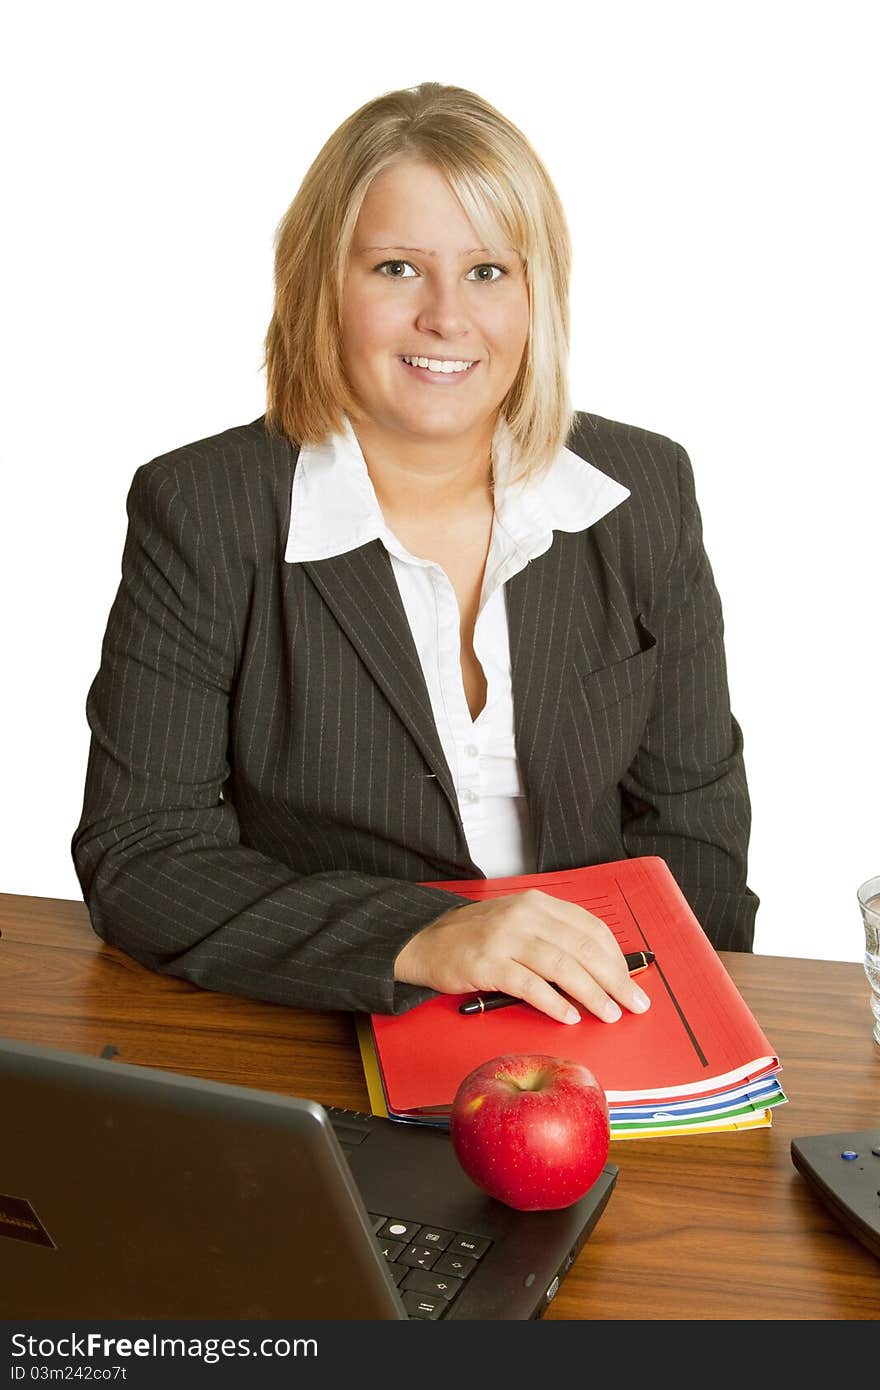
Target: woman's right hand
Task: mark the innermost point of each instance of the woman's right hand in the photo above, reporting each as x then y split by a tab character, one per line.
524	944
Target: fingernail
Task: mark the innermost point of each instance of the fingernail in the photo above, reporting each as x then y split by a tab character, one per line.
611	1012
572	1016
640	1000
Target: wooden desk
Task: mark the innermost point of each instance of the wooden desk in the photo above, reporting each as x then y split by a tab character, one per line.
710	1227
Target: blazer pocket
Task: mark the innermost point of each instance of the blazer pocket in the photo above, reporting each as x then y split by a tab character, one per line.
624	679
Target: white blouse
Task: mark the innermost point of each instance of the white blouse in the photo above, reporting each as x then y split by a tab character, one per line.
334	509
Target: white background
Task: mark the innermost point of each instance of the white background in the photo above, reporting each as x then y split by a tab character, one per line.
718	164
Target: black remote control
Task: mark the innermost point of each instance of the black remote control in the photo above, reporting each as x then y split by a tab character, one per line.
844	1171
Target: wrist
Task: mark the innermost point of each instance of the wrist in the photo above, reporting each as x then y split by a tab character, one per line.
409	966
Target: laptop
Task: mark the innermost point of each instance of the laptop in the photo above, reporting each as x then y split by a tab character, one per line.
129	1192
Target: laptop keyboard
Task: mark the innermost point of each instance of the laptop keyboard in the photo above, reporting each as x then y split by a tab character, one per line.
429	1265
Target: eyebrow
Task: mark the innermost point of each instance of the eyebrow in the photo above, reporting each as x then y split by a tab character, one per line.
420	251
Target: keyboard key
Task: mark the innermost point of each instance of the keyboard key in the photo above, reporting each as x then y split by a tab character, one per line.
433	1235
460	1265
470	1245
399	1272
421	1256
390	1248
424	1305
425	1281
395	1229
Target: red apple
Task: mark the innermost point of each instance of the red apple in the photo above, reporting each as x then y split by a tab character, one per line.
530	1130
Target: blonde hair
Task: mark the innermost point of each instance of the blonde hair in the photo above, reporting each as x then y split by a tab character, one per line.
500	183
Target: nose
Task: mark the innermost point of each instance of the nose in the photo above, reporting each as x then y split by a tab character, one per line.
442	309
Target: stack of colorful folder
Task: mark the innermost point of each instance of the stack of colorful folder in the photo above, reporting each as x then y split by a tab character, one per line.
696	1062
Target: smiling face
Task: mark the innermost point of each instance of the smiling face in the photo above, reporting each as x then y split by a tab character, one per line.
434	323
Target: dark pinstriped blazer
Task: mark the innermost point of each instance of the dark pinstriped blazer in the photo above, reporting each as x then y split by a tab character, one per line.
266	787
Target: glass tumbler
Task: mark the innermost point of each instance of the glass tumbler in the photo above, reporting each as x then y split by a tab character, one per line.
869	902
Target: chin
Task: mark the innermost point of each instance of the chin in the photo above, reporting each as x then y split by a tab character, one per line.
437	424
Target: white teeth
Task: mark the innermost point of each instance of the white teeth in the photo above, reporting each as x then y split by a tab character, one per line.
434	364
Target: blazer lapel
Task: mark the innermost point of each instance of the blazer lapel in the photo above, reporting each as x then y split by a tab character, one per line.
540	606
559	633
360	589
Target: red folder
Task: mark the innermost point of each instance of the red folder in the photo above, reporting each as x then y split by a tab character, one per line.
698	1039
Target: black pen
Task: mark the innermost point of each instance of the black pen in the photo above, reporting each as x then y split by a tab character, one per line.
485	1003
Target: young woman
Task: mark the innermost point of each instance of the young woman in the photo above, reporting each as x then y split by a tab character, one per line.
421	621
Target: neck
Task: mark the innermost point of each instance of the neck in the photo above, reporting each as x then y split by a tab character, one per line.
412	477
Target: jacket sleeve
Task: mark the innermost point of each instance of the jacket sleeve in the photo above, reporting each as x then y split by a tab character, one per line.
157	850
685	796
